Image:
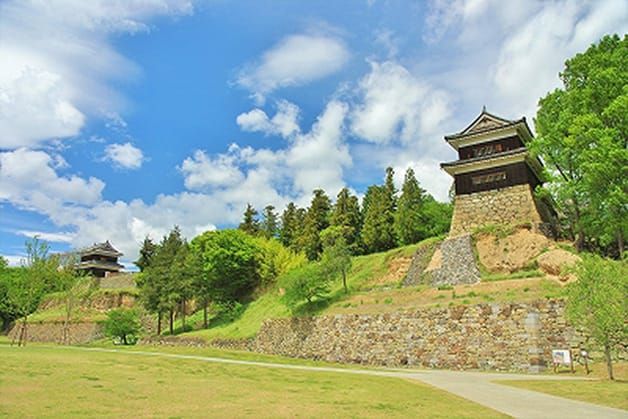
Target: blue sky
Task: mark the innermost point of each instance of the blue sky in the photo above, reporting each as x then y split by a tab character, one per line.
119	119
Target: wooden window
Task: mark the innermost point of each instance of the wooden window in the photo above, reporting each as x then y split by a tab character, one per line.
489	178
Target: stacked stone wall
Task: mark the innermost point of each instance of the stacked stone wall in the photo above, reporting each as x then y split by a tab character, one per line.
77	333
458	265
510	205
485	336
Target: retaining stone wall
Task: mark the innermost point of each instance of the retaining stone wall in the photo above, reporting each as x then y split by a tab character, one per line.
485	336
458	264
510	205
78	333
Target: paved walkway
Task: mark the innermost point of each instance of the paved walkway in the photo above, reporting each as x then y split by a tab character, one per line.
475	386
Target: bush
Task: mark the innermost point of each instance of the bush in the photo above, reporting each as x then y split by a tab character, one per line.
305	283
122	324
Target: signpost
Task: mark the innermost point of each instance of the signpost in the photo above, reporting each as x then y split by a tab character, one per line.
562	357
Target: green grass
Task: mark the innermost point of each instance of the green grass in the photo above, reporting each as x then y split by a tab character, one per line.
39	381
366	270
533	273
607	393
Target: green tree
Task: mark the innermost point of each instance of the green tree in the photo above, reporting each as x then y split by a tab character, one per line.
410	223
270	222
230	263
274	259
391	190
597	302
123	324
289	225
316	220
582	138
8	310
250	223
24	292
346	215
158	286
147	251
336	259
305	283
378	229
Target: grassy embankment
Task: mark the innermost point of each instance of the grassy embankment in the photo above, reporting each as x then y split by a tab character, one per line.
375	287
598	391
39	381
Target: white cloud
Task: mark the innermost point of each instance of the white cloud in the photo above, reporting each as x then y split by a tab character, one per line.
29	180
125	156
201	171
285	122
46	236
15	260
58	62
294	61
394	104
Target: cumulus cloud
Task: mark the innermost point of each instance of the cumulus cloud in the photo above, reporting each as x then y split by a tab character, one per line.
394	104
125	156
29	180
201	171
285	122
294	61
58	60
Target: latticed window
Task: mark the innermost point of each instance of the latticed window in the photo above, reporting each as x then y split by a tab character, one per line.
490	178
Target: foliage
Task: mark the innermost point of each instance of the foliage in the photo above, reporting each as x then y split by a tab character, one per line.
377	232
306	283
269	226
147	251
582	138
162	286
123	324
336	259
250	223
290	225
274	259
230	263
316	220
597	302
409	224
346	215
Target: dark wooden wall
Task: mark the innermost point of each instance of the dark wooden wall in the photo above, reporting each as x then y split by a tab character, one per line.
515	174
508	143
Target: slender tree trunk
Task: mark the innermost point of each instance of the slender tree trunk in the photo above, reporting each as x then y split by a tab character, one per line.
171	325
620	244
183	314
344	282
205	323
609	361
159	323
124	339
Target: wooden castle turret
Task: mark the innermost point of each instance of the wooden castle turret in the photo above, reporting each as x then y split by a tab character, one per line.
495	176
100	260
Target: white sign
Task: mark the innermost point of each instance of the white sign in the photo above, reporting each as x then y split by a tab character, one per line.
561	356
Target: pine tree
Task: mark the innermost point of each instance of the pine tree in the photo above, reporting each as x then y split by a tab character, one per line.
391	191
250	224
289	226
270	223
147	251
378	232
410	223
316	220
347	216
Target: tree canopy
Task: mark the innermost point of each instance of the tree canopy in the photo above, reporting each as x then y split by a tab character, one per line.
582	138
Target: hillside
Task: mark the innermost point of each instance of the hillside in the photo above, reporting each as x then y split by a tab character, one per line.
376	284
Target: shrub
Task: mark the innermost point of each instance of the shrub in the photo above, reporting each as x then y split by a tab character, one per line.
122	324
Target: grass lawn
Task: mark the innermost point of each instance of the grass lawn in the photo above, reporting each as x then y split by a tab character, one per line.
603	392
40	381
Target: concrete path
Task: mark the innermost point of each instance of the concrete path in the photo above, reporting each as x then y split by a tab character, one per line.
478	387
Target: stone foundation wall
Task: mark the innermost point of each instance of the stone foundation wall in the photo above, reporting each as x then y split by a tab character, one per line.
458	264
485	336
510	205
78	333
